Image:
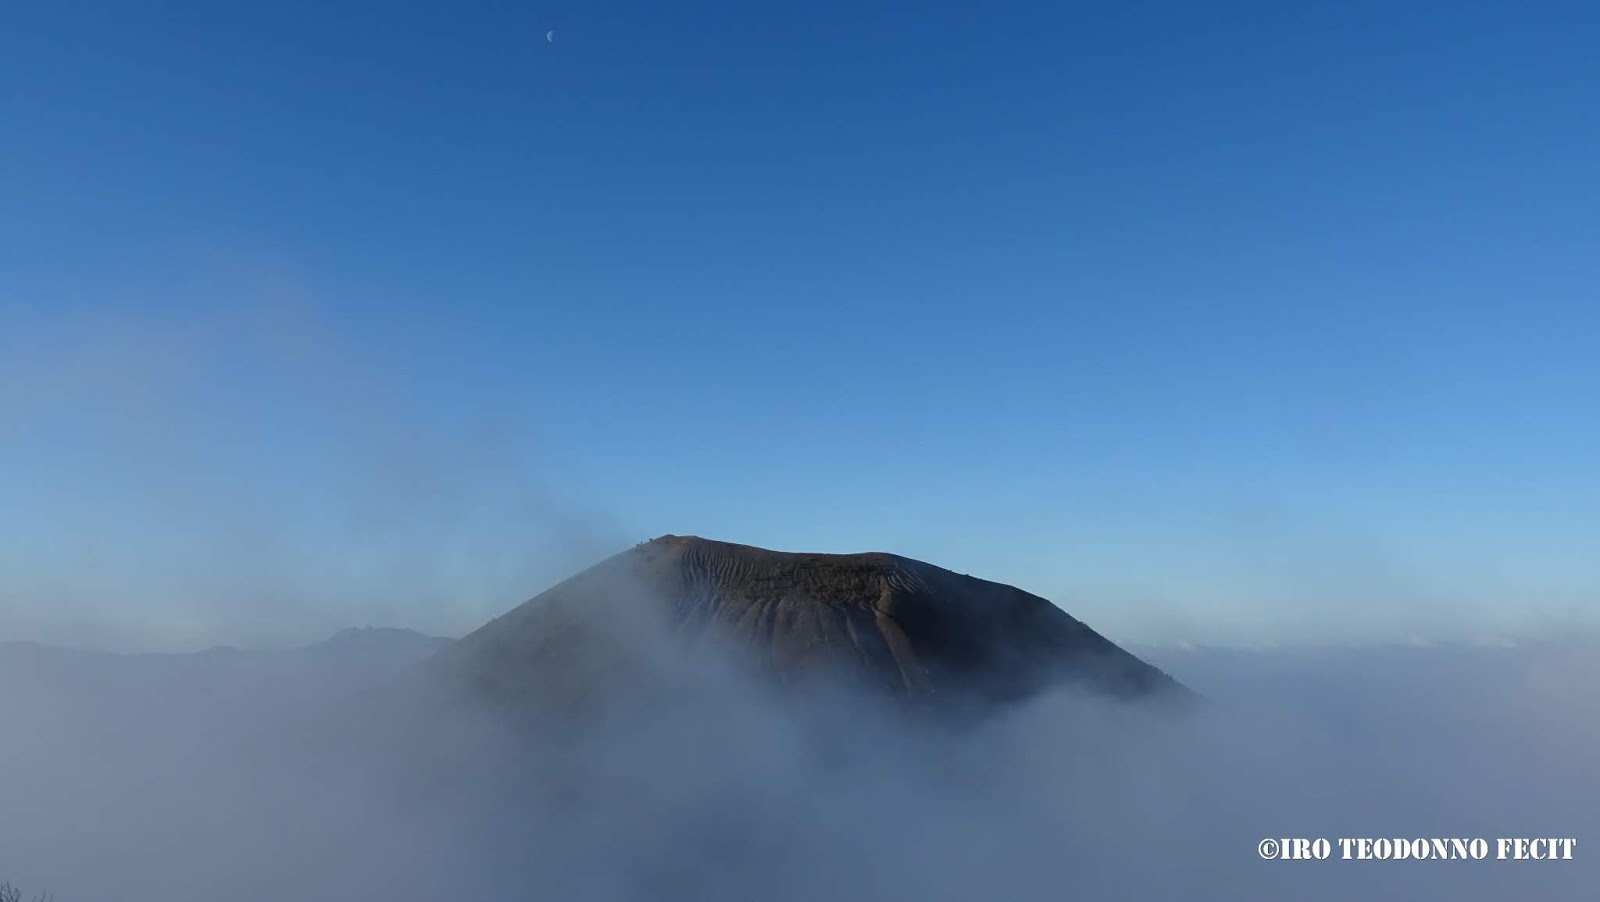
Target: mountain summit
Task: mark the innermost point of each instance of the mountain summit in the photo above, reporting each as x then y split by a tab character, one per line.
901	628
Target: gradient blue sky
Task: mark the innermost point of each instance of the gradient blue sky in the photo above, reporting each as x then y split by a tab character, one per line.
1219	322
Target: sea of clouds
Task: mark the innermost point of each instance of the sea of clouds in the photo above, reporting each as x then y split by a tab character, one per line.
244	776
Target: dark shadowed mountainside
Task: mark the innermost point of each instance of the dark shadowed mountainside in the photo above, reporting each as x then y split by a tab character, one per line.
907	630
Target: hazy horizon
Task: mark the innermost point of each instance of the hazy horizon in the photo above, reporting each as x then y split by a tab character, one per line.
1487	640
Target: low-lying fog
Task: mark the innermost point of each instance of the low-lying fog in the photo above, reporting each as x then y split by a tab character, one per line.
238	775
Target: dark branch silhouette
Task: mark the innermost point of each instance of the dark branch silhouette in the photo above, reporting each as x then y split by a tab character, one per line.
9	893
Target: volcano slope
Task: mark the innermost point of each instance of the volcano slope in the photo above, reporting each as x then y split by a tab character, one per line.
916	635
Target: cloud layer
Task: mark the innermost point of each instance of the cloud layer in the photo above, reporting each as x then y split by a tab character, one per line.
278	786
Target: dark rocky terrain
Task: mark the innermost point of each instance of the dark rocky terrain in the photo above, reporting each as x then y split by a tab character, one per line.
901	629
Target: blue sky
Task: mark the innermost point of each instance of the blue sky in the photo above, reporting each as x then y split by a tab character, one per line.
1222	322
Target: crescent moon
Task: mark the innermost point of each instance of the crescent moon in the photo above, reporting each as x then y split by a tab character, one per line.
550	36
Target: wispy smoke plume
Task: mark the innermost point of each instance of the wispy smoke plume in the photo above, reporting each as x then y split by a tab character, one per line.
255	473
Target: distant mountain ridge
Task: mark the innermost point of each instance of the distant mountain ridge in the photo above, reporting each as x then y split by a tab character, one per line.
232	686
386	637
378	638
